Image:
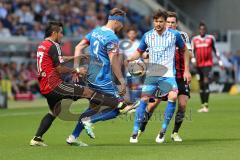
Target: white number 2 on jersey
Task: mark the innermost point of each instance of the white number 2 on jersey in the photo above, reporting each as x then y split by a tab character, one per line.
96	48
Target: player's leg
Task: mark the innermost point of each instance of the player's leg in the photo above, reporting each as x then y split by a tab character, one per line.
97	99
204	88
206	82
170	109
139	116
183	96
96	113
54	102
73	138
148	90
75	91
135	84
201	85
148	113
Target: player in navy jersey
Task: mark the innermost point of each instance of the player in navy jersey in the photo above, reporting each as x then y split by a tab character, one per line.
104	62
203	45
50	65
183	86
161	43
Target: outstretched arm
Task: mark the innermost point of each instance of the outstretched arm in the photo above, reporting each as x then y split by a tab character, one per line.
216	52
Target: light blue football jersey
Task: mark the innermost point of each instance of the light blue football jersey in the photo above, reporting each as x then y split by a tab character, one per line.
102	40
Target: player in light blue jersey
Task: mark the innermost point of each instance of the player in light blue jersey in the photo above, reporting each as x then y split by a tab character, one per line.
183	87
104	61
160	76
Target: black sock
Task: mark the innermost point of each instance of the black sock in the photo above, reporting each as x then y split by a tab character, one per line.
206	94
144	123
207	98
202	97
178	120
45	124
202	91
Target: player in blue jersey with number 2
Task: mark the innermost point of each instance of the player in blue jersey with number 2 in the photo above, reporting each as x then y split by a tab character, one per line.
103	62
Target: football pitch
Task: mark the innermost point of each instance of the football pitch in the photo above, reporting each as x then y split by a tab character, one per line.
214	135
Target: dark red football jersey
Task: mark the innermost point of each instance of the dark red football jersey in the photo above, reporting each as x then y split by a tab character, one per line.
179	58
49	56
203	47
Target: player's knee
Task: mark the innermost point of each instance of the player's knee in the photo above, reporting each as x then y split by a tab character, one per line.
182	103
56	110
144	98
151	106
86	92
172	96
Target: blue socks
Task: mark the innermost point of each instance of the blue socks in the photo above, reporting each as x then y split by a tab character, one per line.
170	109
78	129
104	115
139	116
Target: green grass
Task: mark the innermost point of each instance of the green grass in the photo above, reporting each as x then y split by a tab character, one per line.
214	136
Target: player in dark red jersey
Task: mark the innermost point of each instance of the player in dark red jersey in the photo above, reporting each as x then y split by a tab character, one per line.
50	65
183	86
203	45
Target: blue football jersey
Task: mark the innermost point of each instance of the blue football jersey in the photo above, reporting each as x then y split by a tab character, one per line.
102	40
162	49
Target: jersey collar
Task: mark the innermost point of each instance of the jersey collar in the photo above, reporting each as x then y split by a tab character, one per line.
105	28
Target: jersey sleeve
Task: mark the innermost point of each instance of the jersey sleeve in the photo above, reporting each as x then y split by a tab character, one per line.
88	37
179	40
214	46
113	46
142	46
186	40
56	54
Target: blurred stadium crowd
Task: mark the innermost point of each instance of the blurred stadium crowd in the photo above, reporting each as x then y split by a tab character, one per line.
27	18
16	80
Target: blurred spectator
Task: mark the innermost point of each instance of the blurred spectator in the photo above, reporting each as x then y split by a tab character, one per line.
14	80
226	58
25	15
4	32
3	11
6	85
236	62
37	31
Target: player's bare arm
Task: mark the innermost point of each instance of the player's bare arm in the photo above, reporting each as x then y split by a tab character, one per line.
187	74
136	55
70	58
116	67
217	54
61	69
78	53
